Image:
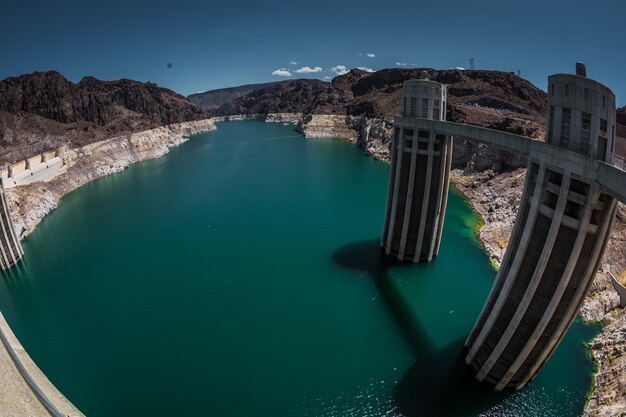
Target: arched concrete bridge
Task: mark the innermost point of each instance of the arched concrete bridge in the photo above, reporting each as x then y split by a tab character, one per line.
563	224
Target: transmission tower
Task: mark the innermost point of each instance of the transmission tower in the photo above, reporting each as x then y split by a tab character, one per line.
471	63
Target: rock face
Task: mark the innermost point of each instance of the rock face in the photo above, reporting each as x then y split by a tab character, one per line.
609	397
327	126
294	96
211	100
620	143
621	116
43	110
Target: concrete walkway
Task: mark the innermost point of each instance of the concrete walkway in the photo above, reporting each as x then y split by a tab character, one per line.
24	389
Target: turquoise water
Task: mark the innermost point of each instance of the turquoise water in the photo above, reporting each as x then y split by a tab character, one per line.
239	275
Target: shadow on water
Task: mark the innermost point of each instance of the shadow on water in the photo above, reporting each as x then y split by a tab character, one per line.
439	383
17	272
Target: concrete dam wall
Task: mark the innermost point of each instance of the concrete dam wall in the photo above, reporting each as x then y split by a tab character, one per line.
41	167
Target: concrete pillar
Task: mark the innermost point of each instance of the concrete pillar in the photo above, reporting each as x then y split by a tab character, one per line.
560	233
513	261
442	194
60	152
550	263
10	248
529	293
398	150
425	200
390	186
409	199
559	291
418	181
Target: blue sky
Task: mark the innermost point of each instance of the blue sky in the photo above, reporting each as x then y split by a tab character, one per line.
213	45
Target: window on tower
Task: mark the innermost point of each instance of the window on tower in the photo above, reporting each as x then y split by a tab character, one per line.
585	134
565	126
603	125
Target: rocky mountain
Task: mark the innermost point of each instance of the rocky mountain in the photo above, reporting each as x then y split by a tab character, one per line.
293	96
621	122
212	99
41	110
621	116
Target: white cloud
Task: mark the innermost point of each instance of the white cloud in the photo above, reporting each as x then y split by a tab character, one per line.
308	70
283	72
459	68
371	55
326	77
293	63
365	69
401	64
339	69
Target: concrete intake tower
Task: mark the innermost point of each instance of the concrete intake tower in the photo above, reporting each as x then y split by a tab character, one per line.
10	247
559	236
562	227
419	178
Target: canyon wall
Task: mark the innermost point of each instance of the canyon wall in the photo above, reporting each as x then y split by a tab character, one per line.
43	110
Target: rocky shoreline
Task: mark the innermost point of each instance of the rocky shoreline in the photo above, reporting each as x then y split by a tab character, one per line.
30	203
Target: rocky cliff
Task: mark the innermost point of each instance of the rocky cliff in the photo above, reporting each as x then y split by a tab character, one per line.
43	110
293	96
212	99
104	125
621	130
621	116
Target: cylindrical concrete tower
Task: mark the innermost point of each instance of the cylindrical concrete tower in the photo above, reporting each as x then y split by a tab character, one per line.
10	247
560	233
419	176
581	116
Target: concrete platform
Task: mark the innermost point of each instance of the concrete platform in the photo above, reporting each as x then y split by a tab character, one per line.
25	390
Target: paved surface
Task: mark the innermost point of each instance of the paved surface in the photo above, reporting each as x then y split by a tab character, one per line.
21	382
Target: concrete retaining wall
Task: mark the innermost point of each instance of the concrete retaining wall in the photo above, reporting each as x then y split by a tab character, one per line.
620	289
42	167
41	389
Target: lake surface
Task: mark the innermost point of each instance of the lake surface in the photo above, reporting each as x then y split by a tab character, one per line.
240	275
